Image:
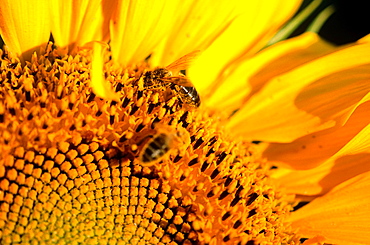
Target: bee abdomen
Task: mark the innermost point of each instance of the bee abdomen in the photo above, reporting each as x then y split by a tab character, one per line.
156	148
189	95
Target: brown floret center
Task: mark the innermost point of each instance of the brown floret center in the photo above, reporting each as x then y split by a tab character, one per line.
70	173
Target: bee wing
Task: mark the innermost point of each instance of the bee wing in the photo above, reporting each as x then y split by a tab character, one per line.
183	62
178	80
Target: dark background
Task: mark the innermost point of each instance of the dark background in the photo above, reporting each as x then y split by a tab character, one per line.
350	21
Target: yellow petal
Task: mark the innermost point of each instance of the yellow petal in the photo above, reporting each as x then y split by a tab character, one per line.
316	148
248	33
365	39
321	179
24	25
342	216
343	153
138	26
77	22
100	87
252	74
197	25
315	96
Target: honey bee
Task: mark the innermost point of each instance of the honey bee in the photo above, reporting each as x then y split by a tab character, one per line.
181	85
166	140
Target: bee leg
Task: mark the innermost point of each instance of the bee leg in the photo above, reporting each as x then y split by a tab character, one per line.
168	94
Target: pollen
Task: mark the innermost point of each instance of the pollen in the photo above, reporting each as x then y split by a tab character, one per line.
70	169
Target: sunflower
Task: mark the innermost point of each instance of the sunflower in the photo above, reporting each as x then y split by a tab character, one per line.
103	140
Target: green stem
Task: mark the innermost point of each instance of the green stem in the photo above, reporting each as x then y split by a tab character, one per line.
292	25
319	21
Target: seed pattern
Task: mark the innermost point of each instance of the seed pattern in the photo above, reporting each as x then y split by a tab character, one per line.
69	172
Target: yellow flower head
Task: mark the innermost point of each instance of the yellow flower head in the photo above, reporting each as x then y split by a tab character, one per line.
104	140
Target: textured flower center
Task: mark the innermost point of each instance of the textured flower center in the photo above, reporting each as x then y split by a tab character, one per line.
71	170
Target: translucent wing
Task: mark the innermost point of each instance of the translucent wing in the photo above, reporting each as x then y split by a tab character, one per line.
184	61
178	80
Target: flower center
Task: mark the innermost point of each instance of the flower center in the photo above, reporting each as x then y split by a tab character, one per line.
146	169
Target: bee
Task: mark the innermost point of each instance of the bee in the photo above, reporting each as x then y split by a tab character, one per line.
166	140
180	85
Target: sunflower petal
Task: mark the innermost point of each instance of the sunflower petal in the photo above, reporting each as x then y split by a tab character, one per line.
316	148
24	25
100	87
318	95
248	33
342	153
197	25
342	216
75	23
365	39
321	179
252	74
138	26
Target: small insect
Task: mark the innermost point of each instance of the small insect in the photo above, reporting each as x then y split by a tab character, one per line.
180	85
166	140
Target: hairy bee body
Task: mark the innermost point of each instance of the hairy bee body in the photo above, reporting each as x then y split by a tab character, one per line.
156	148
180	85
152	79
188	95
165	140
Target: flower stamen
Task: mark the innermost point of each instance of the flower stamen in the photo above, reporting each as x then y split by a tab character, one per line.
71	169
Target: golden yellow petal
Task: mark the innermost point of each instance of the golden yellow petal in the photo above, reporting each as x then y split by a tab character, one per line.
318	95
321	179
99	85
341	216
365	39
197	25
256	22
75	23
316	148
24	25
252	74
342	154
137	27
